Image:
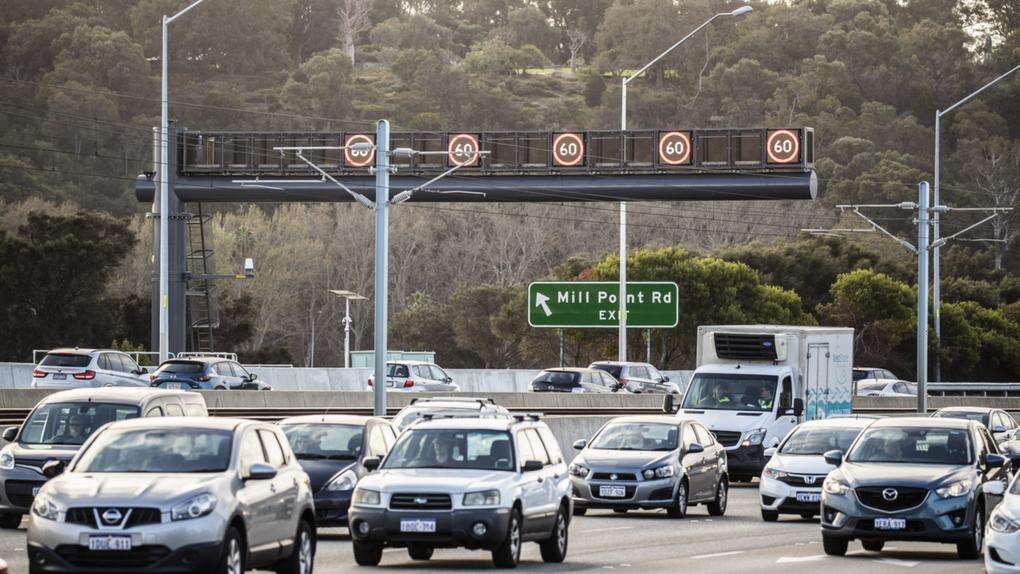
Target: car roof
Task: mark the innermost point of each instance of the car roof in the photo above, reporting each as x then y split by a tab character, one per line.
76	351
922	422
126	395
967	409
662	419
206	423
736	369
195	360
869	369
838	422
498	424
454	405
570	369
620	363
409	362
331	419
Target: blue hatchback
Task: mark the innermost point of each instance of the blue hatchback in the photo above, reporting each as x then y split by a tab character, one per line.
205	373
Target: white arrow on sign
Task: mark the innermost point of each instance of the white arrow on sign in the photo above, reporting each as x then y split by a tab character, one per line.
542	301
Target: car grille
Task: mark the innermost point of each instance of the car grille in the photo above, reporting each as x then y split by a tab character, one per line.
906	497
801	480
610	475
138	516
138	557
421	501
19	492
727	438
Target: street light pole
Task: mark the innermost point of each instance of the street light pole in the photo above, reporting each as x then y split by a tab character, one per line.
936	230
164	192
347	296
622	347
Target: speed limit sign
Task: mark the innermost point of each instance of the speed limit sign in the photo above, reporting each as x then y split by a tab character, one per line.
463	150
675	148
359	157
782	146
568	149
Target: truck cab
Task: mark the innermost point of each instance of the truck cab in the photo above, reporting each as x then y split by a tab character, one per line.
754	383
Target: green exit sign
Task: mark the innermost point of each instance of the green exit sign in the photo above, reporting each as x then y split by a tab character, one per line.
650	304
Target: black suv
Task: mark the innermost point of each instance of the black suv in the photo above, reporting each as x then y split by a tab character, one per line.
912	479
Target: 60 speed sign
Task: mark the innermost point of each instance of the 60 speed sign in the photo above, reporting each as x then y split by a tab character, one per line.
675	148
568	149
463	150
782	146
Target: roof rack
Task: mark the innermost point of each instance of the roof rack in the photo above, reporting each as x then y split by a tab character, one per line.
481	401
521	417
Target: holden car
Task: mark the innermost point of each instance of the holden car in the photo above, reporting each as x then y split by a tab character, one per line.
791	482
638	377
332	449
447	407
912	478
60	423
575	380
1002	549
1001	424
416	376
210	495
207	373
79	368
484	484
649	462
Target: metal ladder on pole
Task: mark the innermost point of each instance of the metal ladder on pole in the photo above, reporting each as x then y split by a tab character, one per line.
203	312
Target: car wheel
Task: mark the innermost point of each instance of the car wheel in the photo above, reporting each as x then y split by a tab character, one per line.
769	515
508	553
873	545
972	548
232	560
420	552
679	507
555	549
578	511
10	520
718	506
367	553
302	558
835	546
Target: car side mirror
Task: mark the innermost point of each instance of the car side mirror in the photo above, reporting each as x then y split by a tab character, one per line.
261	471
667	404
53	468
770	452
998	427
531	465
253	376
991	460
798	407
10	433
994	488
580	444
695	448
834	457
371	463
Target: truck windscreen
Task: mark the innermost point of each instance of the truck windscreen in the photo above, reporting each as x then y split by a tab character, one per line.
731	392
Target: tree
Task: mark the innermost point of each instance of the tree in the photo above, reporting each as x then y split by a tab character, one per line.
354	19
576	40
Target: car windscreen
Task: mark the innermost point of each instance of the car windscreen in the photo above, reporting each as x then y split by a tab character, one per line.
614	370
65	360
966	415
731	392
182	367
163	450
871	386
313	441
563	378
71	423
395	370
819	440
637	436
452	448
862	374
913	445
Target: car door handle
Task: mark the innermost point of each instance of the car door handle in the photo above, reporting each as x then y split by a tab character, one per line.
540	479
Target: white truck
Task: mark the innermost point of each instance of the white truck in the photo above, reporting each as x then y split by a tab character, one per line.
753	383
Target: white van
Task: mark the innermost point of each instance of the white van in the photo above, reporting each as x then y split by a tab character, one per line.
754	383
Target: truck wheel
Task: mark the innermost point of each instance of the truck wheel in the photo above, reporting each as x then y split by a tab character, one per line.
420	552
508	553
769	515
835	546
367	553
10	520
972	548
873	545
555	549
718	506
679	506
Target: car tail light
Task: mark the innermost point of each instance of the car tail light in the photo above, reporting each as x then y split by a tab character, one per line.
408	384
85	375
370	382
39	374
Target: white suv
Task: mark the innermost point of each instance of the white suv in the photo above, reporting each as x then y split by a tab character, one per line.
447	407
416	376
80	368
487	484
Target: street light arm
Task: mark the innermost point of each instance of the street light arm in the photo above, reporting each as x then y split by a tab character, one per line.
673	47
878	227
945	240
406	194
182	12
975	92
357	196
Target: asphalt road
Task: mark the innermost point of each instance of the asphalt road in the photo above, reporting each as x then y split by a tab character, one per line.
643	542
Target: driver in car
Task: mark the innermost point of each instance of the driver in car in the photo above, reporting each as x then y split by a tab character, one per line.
74	431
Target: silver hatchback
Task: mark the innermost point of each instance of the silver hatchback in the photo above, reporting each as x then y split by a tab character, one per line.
176	495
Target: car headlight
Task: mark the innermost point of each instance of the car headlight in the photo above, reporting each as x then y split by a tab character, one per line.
754	437
958	488
194	507
660	472
365	497
774	473
579	470
833	486
483	498
346	480
7	458
1001	522
43	507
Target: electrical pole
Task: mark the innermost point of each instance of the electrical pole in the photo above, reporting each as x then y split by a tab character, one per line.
923	232
382	245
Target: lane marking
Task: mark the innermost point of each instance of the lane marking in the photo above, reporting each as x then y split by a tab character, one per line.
786	559
718	554
898	562
607	529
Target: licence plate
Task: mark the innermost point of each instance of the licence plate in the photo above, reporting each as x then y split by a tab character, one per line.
418	525
59	376
173	385
809	496
890	523
109	543
612	491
